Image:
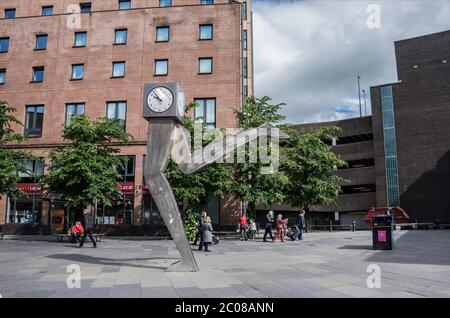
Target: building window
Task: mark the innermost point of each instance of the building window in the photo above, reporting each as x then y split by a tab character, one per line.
126	171
2	76
118	111
390	146
205	65
25	210
38	74
80	39
34	120
205	113
165	3
161	67
85	7
244	10
48	10
118	69
206	32
124	4
77	71
244	39
162	34
204	2
73	110
120	36
33	170
41	42
4	45
10	13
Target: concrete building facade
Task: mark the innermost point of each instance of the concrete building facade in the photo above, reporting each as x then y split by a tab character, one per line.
59	58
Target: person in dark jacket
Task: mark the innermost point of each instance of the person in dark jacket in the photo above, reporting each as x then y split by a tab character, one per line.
268	226
87	223
207	233
199	235
300	224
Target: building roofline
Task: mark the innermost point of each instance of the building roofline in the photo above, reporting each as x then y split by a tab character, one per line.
422	36
333	121
386	84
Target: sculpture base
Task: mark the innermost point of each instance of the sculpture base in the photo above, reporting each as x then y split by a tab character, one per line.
183	266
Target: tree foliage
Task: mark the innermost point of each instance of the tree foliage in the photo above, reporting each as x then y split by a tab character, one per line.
9	158
85	170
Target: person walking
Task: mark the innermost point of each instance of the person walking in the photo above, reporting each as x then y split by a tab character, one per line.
280	230
268	226
199	234
252	230
300	224
243	226
87	223
207	233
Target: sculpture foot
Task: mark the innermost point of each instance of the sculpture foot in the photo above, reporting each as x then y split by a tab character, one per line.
183	266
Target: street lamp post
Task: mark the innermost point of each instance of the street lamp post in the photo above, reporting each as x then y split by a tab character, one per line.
365	104
359	95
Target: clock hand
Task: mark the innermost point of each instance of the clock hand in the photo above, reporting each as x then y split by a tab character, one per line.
157	97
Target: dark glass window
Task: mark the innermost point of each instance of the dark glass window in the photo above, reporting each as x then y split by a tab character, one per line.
10	13
162	34
85	7
120	36
117	110
244	10
124	4
38	74
73	110
161	67
2	76
4	45
34	120
33	170
118	69
77	71
244	39
41	41
207	2
165	3
80	39
363	188
358	163
354	138
206	32
205	113
126	171
48	10
205	65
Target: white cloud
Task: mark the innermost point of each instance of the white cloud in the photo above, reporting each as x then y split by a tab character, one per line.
308	53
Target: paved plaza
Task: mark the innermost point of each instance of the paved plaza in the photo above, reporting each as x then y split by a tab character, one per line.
324	265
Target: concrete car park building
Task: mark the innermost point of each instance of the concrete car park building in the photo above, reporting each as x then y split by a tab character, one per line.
399	156
61	58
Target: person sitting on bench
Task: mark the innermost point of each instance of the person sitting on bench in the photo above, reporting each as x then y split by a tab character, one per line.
75	232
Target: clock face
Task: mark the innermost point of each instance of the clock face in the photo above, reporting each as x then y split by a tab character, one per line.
181	103
160	99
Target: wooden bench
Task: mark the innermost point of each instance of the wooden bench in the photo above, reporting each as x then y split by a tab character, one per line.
61	237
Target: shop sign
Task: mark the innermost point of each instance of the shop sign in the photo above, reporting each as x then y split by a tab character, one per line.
30	188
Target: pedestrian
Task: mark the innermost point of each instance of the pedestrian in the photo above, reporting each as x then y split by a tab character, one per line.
201	222
268	226
76	232
300	224
285	228
87	223
243	226
280	231
252	231
207	233
199	227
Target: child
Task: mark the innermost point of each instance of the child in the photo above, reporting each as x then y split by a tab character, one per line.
207	233
279	223
252	231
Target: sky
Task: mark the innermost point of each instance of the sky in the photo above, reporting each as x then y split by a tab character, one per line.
308	53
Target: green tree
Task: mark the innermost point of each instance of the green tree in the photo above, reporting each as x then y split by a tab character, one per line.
310	166
10	158
83	170
250	184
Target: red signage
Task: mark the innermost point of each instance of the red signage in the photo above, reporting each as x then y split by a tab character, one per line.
30	188
126	187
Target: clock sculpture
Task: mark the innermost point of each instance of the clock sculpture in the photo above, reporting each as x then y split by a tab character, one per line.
164	110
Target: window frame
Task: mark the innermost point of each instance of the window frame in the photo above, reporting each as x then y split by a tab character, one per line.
167	67
38	36
165	6
206	4
27	129
44	8
10	10
71	76
199	65
168	33
200	32
3	70
85	4
115	36
116	112
124	69
38	68
124	1
77	105
75	39
205	106
6	38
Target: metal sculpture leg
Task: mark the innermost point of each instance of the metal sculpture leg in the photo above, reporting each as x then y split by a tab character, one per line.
158	154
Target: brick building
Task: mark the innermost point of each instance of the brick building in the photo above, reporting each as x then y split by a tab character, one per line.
55	63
